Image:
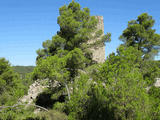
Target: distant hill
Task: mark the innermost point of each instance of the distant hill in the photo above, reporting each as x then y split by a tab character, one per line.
23	70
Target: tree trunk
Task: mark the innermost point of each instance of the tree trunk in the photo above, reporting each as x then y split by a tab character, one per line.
68	91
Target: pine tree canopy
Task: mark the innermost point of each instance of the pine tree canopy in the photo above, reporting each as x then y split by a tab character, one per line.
76	29
139	34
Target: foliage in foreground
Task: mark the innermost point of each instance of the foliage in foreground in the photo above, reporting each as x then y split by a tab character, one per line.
11	87
114	90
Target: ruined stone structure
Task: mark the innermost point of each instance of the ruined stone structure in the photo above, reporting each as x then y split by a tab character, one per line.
157	83
98	55
33	91
99	51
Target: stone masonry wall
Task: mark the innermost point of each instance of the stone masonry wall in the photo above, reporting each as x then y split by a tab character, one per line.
98	52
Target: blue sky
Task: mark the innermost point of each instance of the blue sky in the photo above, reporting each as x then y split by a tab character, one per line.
25	24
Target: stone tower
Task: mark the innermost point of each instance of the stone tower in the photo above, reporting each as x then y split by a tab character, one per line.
98	52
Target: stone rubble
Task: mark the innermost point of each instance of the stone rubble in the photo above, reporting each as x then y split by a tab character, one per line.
34	89
157	83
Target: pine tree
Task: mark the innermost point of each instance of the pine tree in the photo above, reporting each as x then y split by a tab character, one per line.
68	52
76	29
139	34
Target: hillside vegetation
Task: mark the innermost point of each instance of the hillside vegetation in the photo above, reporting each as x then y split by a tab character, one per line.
87	90
23	70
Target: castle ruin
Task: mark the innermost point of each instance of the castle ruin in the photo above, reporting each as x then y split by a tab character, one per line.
98	52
